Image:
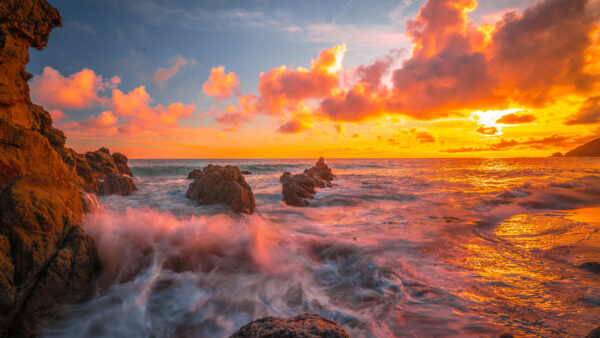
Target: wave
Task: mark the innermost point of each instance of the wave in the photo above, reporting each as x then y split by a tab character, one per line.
178	170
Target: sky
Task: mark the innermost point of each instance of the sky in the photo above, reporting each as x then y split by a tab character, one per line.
302	79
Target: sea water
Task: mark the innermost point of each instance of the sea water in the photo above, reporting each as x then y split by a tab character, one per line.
397	247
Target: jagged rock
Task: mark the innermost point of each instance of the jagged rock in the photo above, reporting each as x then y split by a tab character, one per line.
299	189
118	184
103	163
45	258
194	174
307	325
121	163
217	184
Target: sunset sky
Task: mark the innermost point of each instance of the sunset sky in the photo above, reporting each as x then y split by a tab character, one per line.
262	79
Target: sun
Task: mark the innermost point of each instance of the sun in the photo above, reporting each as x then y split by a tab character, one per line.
488	118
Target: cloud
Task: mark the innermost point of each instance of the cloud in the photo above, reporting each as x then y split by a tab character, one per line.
369	36
131	114
234	116
78	91
81	26
487	130
516	119
282	88
536	143
164	74
588	113
221	85
57	115
425	137
292	127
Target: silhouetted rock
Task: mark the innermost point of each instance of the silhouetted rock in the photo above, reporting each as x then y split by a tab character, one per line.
118	184
246	172
557	154
217	184
194	174
299	189
595	333
307	325
590	149
591	267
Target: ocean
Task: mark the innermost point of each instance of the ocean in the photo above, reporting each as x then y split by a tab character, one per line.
397	247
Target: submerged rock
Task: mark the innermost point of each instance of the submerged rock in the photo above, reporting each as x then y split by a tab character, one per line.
595	333
116	184
307	325
298	189
593	267
216	184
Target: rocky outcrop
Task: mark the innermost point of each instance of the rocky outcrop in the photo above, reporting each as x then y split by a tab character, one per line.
194	174
217	184
308	325
299	189
116	184
593	267
595	333
557	154
45	258
590	149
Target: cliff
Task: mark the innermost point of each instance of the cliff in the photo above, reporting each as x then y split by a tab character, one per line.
590	149
46	260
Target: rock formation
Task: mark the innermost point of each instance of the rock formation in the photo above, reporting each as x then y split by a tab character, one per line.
115	184
308	325
45	258
110	173
217	184
590	149
595	333
557	154
194	174
299	189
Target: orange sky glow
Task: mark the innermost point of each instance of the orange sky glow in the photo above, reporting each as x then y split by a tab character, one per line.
528	85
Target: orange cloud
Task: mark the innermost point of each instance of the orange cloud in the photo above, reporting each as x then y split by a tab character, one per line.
425	137
292	127
234	116
57	115
162	75
487	130
282	88
78	91
516	119
221	85
588	113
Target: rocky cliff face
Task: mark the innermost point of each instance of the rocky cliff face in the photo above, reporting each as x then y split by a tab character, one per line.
590	149
45	258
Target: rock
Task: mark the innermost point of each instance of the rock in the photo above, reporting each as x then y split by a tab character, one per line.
557	154
593	267
307	325
246	172
590	149
121	163
46	260
118	184
299	189
217	184
506	335
595	333
194	174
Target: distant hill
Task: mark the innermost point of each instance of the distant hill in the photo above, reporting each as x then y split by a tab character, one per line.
590	149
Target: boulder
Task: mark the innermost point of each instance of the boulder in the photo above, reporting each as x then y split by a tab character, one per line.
593	267
299	189
194	174
118	184
217	184
307	325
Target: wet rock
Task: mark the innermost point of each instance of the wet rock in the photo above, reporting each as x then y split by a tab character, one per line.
593	267
194	174
46	260
121	163
307	325
116	184
299	189
246	172
217	184
103	163
595	333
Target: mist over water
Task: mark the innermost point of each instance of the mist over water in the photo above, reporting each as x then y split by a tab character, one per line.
407	247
